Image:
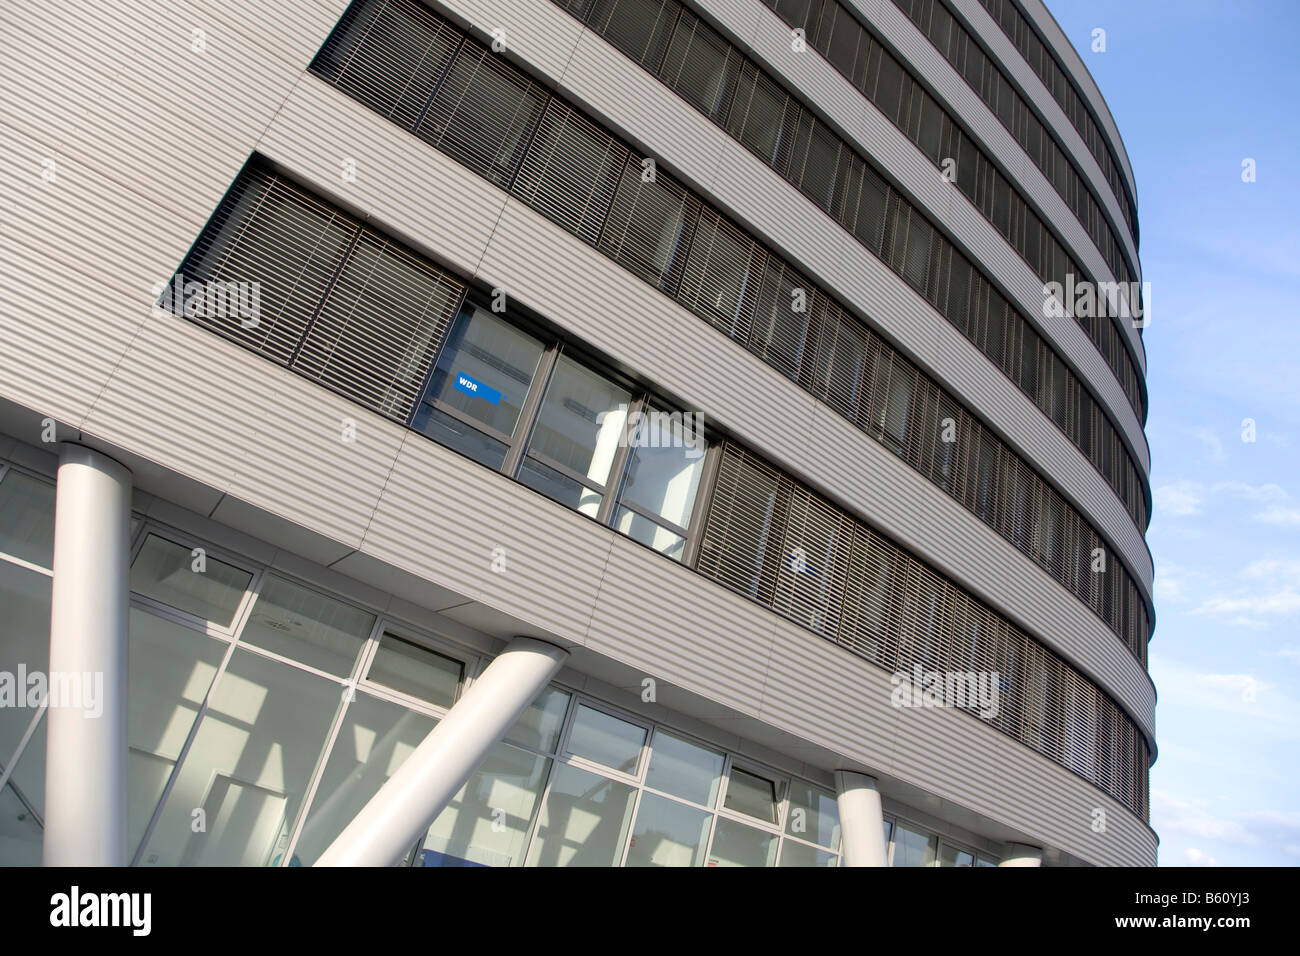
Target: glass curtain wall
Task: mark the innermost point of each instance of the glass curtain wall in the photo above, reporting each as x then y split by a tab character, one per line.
266	711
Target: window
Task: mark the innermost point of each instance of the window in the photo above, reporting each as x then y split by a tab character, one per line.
751	794
248	768
578	433
296	622
761	117
701	67
607	740
913	848
584	821
640	28
195	583
477	390
482	114
27	518
411	669
684	769
649	226
954	856
735	844
663	477
668	833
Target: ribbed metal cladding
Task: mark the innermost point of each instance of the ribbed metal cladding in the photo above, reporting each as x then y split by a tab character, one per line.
337	303
779	544
1065	91
599	189
733	92
952	39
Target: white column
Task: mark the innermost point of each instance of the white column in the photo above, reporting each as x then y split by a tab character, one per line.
862	822
85	749
1021	854
405	806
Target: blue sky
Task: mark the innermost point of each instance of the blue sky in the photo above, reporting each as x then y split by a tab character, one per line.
1196	86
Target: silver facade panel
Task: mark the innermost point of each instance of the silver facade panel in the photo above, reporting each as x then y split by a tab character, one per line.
104	362
777	210
1037	12
1014	63
823	86
1027	80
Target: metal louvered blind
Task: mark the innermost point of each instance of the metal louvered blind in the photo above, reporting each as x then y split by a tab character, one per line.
649	225
493	119
571	171
339	303
779	544
390	56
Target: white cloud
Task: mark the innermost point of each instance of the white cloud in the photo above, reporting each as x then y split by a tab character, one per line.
1179	499
1171	814
1212	442
1196	858
1283	602
1280	516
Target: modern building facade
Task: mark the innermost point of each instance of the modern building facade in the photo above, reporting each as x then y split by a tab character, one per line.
598	432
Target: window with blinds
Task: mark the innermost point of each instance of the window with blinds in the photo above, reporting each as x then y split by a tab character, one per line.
340	303
752	107
590	183
778	543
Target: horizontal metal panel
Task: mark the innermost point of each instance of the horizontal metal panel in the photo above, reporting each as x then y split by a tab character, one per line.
942	751
107	107
556	275
774	208
707	640
1045	103
441	516
320	127
822	84
1042	17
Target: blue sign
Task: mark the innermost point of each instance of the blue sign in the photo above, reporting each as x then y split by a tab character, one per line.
472	386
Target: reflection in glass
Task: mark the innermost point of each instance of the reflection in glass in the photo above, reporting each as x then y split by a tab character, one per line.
25	644
800	854
584	821
579	429
735	844
486	823
374	741
668	833
20	835
27	518
684	769
912	848
248	767
751	794
606	739
173	575
307	626
171	669
485	370
539	726
414	670
814	815
951	856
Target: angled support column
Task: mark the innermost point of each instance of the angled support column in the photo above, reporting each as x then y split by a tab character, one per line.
862	822
1021	854
85	749
411	799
